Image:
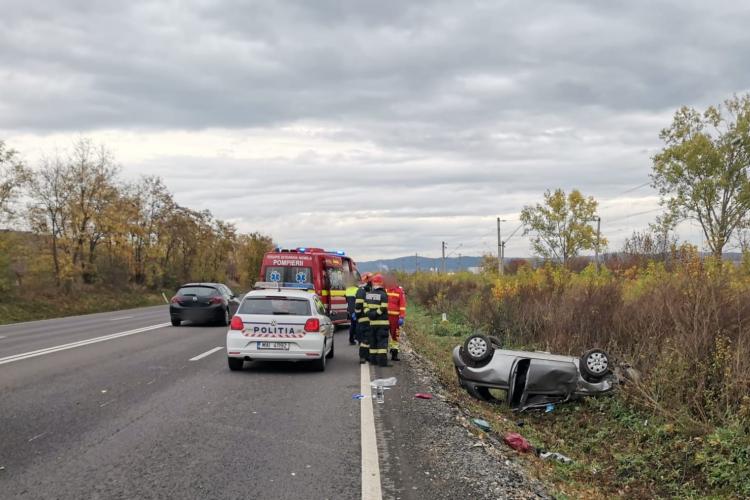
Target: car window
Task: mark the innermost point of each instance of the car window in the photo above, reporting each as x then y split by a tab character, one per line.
319	306
229	291
336	278
198	291
300	275
275	305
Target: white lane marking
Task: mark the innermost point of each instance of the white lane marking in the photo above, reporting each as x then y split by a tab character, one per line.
120	318
207	353
81	343
370	465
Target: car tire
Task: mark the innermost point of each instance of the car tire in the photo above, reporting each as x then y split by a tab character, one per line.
319	365
226	319
235	364
477	350
330	353
176	322
594	364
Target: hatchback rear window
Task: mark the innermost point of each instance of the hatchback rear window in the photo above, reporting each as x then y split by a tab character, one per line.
275	305
198	291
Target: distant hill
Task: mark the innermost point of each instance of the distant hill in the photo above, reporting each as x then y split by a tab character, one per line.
409	264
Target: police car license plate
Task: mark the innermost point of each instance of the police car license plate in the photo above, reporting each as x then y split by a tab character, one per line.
277	346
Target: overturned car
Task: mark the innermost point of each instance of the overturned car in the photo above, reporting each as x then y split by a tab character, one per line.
529	379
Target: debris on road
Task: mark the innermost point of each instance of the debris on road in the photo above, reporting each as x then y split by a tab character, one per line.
549	408
380	385
517	442
550	455
358	396
423	395
482	424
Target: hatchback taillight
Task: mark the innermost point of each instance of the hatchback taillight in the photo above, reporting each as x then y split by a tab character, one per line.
236	324
175	300
216	300
312	325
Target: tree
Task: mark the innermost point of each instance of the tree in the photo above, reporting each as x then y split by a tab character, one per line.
13	175
560	227
701	173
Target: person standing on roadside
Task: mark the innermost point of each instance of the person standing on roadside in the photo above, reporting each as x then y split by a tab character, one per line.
396	315
376	309
363	322
351	301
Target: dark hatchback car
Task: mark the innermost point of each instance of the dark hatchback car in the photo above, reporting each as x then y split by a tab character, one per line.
203	302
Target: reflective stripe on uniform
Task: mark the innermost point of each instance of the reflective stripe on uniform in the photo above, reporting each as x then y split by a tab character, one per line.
378	351
379	322
392	294
393	313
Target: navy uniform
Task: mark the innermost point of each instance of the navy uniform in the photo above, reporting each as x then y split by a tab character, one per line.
376	309
363	322
351	301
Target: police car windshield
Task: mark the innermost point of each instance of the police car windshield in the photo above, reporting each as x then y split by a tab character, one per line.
275	305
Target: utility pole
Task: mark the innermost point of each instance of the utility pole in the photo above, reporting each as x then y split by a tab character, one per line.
598	233
499	248
443	257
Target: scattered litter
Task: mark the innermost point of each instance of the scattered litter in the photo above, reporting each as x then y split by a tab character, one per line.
423	395
308	466
294	473
482	424
104	391
553	455
478	445
2	467
384	382
358	396
549	408
519	423
517	442
380	385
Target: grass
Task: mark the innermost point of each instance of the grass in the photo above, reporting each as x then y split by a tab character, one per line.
620	451
17	309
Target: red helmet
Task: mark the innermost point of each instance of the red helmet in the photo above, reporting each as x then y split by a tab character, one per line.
377	280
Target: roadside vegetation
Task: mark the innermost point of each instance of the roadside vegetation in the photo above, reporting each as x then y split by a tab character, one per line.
682	429
76	237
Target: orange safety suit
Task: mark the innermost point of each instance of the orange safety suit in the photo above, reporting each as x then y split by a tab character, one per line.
396	311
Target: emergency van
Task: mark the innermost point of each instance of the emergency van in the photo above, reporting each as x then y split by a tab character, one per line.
326	273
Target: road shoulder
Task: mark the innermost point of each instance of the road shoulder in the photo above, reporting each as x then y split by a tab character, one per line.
427	451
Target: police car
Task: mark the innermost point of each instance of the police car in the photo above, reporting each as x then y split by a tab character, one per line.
280	324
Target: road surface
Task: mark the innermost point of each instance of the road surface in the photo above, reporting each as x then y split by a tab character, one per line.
124	405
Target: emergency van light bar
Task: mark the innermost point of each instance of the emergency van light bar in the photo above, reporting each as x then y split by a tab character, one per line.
278	285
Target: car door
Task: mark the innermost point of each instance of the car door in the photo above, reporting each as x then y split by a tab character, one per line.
325	320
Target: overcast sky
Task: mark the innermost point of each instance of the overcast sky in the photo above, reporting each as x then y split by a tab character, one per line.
381	128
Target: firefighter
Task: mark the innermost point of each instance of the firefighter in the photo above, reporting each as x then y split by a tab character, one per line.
351	299
376	309
396	315
363	322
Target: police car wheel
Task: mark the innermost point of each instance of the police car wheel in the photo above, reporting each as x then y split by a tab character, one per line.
319	365
477	350
330	353
235	364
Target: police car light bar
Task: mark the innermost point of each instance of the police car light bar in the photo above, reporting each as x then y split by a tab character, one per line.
278	285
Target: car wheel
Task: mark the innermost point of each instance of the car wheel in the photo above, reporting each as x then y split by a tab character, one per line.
481	393
319	365
176	322
594	364
235	364
330	353
477	350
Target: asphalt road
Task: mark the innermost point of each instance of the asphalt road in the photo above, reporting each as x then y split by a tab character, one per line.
131	416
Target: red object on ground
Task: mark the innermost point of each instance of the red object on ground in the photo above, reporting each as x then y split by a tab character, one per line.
423	395
517	442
